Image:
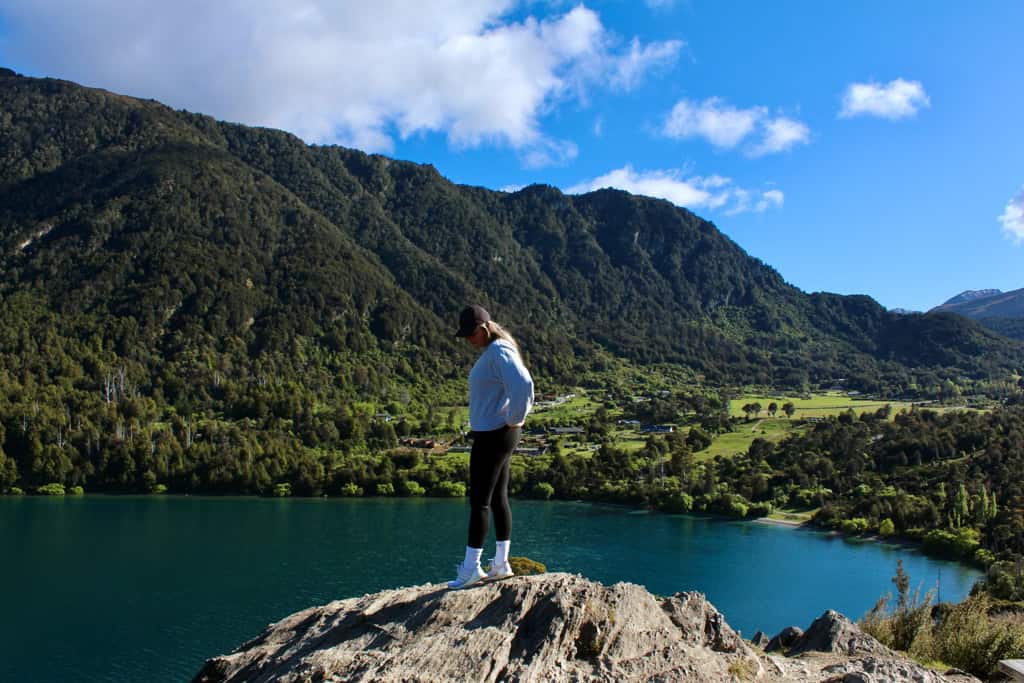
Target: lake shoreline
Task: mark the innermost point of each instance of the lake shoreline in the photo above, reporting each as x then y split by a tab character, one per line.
897	541
789	523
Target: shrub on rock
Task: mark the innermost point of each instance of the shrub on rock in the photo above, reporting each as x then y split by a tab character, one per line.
524	566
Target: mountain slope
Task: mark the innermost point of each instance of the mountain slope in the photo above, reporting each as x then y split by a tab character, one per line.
198	231
994	305
1002	312
972	295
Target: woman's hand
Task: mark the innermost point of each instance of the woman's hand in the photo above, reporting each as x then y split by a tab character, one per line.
516	425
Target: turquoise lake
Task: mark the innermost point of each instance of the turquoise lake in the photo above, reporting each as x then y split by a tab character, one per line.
101	588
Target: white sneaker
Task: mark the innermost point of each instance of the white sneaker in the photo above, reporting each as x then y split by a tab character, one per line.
467	576
498	571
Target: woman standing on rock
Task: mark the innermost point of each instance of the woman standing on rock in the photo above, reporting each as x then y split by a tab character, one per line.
500	398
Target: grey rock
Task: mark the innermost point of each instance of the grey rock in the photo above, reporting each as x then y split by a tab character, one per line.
760	639
832	632
550	627
872	669
783	639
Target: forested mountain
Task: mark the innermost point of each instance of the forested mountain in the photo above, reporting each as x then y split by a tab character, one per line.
171	229
1000	311
157	265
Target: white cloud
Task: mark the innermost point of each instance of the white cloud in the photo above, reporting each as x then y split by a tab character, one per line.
630	68
1013	218
725	126
550	153
721	124
715	181
743	201
897	99
781	134
740	202
769	199
691	193
695	192
348	72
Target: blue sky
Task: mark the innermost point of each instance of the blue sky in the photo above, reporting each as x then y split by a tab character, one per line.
861	147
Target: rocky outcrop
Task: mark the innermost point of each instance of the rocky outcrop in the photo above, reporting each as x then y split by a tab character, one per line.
551	627
832	632
783	639
855	657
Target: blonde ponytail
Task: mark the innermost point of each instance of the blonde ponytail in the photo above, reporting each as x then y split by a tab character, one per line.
496	331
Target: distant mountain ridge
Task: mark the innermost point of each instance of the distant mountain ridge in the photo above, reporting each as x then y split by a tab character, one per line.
972	295
986	303
1002	312
179	240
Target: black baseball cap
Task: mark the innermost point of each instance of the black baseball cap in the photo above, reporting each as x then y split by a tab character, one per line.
471	318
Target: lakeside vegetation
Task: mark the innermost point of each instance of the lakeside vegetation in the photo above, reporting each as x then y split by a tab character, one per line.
944	479
973	635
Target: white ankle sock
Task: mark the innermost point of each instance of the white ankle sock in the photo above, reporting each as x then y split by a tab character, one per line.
501	551
472	556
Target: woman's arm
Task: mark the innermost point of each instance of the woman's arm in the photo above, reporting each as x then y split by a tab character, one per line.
518	385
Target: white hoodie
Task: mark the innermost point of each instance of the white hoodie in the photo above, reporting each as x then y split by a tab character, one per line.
500	388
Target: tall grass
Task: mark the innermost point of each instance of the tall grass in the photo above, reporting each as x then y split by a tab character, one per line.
971	635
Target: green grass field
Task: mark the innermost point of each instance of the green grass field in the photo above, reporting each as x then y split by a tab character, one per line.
579	408
732	443
818	405
629	440
777	428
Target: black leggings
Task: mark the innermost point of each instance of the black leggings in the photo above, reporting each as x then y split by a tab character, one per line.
488	484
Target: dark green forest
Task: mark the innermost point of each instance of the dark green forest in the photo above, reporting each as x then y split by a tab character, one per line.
1008	327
